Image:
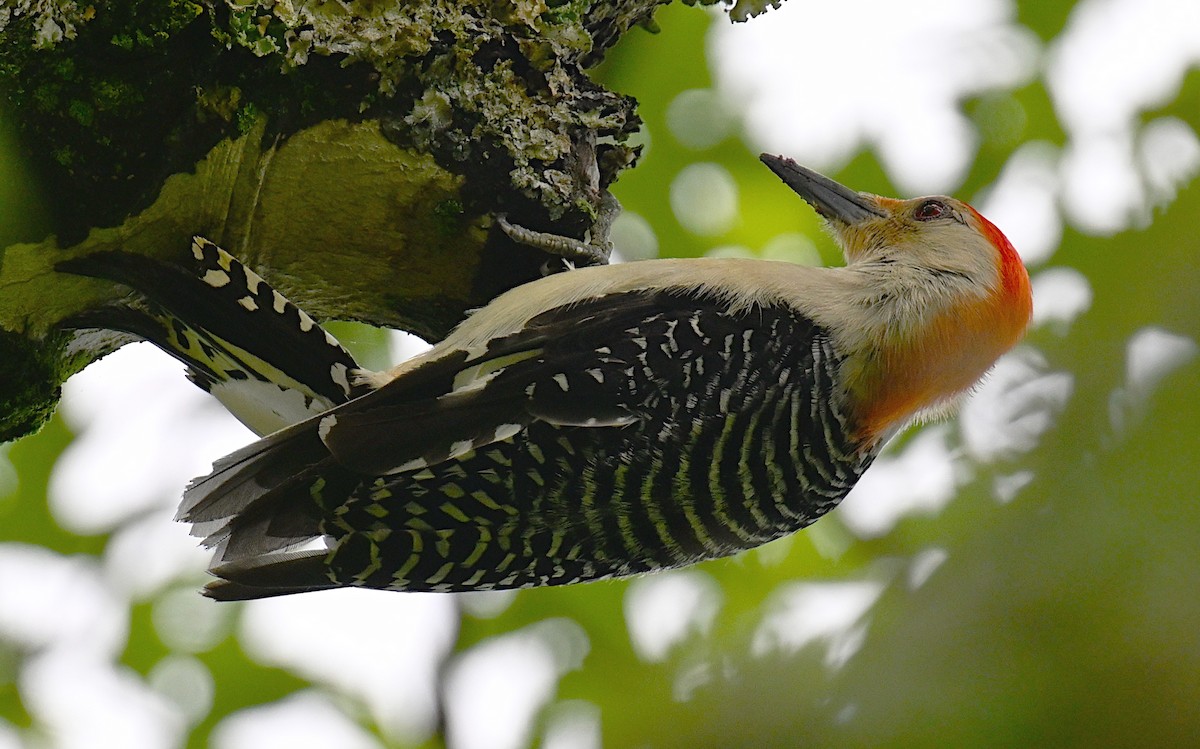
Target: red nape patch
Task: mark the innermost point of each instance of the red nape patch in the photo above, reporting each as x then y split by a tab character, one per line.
1012	270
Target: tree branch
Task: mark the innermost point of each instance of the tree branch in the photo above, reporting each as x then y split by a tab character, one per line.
354	153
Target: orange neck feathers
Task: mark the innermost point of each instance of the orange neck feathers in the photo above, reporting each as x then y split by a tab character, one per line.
951	352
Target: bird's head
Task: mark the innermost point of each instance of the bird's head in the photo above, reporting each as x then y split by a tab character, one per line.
937	234
966	293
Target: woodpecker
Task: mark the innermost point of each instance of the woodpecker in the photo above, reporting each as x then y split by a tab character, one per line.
266	360
615	420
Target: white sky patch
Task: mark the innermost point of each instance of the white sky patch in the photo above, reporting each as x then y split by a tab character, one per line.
1013	406
84	703
306	720
896	84
144	556
662	610
1059	296
1114	60
802	613
70	626
486	604
1102	194
1168	153
572	724
143	433
704	197
730	250
817	83
49	601
924	564
187	622
1151	354
918	478
186	683
405	346
1023	202
633	237
381	648
495	689
1006	487
699	118
791	247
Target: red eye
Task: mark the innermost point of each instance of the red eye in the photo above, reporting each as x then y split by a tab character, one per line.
930	210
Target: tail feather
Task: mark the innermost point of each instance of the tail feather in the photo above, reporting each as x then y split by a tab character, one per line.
265	359
271	523
264	534
272	575
275	369
261	498
268	496
287	515
246	474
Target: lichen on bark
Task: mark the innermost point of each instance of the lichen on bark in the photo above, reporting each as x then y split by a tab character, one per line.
354	152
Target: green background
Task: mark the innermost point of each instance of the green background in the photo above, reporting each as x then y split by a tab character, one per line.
1068	616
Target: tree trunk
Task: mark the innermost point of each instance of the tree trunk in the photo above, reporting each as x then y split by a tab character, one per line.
354	153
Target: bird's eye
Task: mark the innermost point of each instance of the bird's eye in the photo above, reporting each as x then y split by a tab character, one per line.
930	210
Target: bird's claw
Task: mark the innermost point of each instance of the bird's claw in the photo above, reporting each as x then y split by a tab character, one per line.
573	250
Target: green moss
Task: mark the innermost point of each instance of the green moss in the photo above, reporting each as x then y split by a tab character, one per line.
81	112
64	156
220	102
97	112
30	373
449	216
496	84
123	42
247	116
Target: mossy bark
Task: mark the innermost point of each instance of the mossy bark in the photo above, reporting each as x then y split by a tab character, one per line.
355	153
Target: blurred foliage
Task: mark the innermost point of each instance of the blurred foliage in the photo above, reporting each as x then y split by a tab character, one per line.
1067	616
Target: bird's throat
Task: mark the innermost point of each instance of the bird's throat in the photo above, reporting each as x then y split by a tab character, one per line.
929	370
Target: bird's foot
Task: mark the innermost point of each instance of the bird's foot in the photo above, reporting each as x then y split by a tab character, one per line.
570	249
595	251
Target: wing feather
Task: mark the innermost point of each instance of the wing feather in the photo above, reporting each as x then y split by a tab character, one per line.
265	499
539	372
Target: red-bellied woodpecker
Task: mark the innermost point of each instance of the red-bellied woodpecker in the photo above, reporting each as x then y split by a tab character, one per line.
620	419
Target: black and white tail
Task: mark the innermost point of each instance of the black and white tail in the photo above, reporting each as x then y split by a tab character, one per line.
262	357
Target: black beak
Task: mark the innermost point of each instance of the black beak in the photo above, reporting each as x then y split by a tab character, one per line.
830	199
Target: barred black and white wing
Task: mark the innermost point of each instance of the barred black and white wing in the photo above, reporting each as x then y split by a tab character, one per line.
265	359
635	431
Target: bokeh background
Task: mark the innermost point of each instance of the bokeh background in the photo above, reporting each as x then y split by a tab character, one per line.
1027	574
